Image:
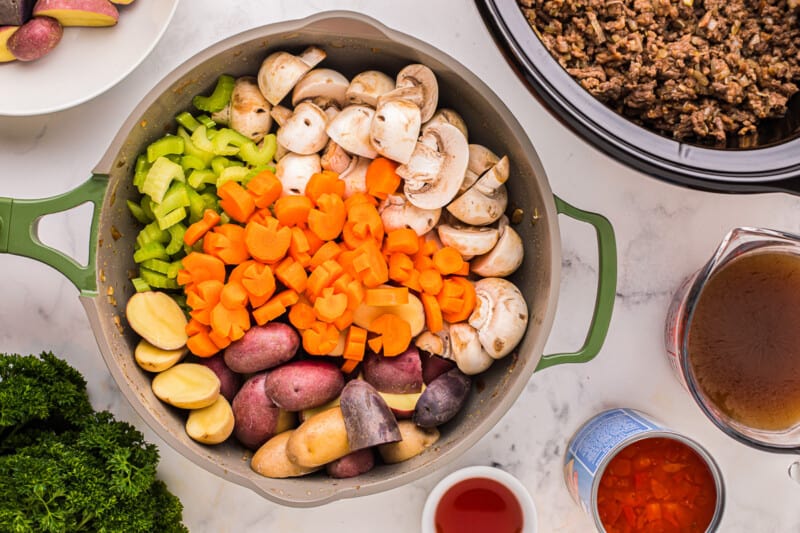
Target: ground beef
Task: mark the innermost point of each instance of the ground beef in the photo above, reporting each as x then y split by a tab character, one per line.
698	71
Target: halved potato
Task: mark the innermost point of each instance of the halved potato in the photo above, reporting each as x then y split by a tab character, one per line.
158	319
187	385
212	424
154	359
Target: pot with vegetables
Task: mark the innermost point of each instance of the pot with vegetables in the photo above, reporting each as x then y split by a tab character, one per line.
325	248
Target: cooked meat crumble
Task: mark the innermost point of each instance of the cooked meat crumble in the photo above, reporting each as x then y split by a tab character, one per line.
695	70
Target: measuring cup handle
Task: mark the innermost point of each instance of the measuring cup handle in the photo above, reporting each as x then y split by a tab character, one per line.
19	220
606	287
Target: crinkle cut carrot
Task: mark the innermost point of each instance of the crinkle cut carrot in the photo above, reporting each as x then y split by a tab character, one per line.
268	242
257	279
349	365
230	323
320	339
330	305
236	201
370	264
196	231
202	298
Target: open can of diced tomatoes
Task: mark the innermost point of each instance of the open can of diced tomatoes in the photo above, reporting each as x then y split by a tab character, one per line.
630	473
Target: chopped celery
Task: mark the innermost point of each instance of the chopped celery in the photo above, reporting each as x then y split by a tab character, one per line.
159	178
151	250
140	285
166	145
210	201
158	265
180	299
206	121
170	219
224	218
219	98
176	196
256	157
196	205
137	212
201	140
174	267
140	171
189	148
176	233
228	142
186	120
157	280
219	163
151	233
200	177
232	173
147	207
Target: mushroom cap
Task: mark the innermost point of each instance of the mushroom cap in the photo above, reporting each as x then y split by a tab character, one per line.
223	116
395	128
355	176
366	87
281	114
281	70
350	129
294	171
450	116
477	209
249	111
321	82
481	159
502	260
500	316
466	349
397	213
468	240
418	74
304	132
435	191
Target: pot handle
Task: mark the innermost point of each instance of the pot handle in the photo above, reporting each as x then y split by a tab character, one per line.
606	287
19	220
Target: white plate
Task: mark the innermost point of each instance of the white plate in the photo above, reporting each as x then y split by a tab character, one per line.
87	61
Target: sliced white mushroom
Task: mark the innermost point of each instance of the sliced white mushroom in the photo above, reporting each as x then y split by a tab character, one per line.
280	72
249	111
334	158
395	128
330	107
355	176
506	256
304	132
434	190
281	114
469	241
397	213
451	117
418	75
350	130
223	116
321	83
481	159
412	94
436	343
366	87
500	316
294	171
486	201
466	349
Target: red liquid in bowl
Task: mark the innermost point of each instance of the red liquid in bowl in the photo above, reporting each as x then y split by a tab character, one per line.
478	505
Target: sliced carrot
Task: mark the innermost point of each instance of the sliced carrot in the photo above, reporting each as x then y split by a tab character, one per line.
395	333
353	288
302	316
330	305
230	323
370	264
265	188
382	179
260	216
299	247
359	198
256	278
343	321
433	313
327	220
221	341
413	281
267	242
227	243
427	246
457	299
292	274
194	327
233	295
349	365
431	281
464	270
196	231
198	267
363	223
447	260
202	299
345	260
314	242
386	296
323	276
236	201
375	344
201	345
355	343
423	263
320	338
293	210
329	250
403	240
400	267
274	308
325	182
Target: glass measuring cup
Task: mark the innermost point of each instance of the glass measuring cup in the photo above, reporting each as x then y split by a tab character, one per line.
738	243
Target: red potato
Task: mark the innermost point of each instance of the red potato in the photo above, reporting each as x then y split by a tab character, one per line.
230	381
299	385
401	374
78	12
262	347
122	2
35	38
5	33
352	464
367	418
434	366
443	399
256	417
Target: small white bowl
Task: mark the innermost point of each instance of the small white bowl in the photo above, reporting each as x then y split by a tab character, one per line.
529	517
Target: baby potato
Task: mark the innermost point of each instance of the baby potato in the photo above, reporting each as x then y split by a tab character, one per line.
187	385
154	359
299	385
212	424
262	347
319	440
158	319
415	441
271	460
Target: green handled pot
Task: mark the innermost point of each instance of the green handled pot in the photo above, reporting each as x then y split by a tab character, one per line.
354	43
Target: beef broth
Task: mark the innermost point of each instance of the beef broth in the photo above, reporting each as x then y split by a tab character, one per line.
744	340
698	71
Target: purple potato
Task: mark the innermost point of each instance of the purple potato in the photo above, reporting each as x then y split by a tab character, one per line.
367	418
443	399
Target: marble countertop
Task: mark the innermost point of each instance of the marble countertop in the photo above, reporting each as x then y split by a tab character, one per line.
664	233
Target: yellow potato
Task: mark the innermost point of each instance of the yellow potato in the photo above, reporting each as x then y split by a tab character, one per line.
286	420
212	424
158	319
412	312
319	440
271	460
415	441
155	359
187	385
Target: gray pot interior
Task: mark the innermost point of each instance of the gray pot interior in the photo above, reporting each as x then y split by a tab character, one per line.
354	43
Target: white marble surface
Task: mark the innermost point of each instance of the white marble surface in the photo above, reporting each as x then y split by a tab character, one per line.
664	233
